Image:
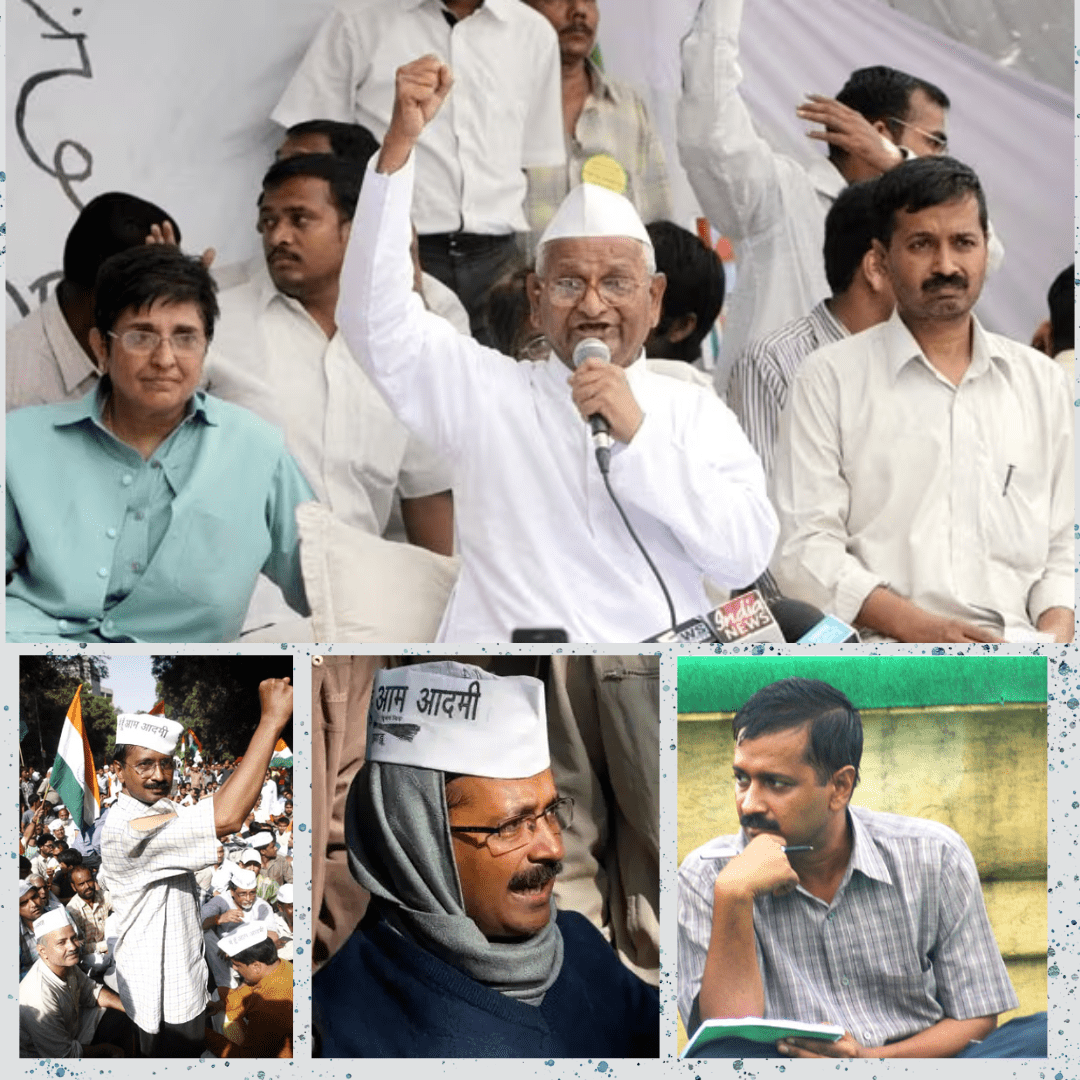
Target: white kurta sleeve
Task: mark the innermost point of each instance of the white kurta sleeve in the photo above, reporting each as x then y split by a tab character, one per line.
812	498
433	378
735	174
692	468
324	86
423	471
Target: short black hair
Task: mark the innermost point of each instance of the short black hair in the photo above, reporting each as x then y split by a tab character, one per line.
351	141
849	231
109	224
120	753
44	838
922	182
343	177
70	857
884	93
25	867
142	276
1061	299
262	952
695	284
506	311
836	734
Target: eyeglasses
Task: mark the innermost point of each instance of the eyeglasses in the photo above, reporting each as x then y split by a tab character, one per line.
614	289
145	342
511	835
939	142
146	768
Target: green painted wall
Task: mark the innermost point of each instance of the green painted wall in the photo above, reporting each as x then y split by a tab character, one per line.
713	684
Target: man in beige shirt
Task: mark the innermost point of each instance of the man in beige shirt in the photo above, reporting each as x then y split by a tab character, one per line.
924	475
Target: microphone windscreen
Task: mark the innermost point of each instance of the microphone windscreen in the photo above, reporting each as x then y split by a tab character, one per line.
590	347
795	616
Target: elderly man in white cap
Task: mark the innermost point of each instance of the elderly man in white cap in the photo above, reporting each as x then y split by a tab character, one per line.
62	1013
259	1010
227	912
150	850
543	544
454	827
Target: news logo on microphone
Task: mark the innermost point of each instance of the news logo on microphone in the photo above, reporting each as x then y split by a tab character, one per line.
745	619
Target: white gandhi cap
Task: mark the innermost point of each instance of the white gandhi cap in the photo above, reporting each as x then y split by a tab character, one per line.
154	732
242	939
592	210
244	879
52	920
460	719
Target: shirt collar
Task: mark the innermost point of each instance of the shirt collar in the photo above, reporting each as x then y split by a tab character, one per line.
89	407
829	326
75	366
827	179
496	7
602	87
901	349
865	856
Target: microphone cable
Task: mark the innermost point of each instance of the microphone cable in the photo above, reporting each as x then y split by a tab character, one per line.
604	462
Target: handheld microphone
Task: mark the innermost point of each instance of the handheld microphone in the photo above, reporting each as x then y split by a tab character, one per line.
601	429
808	625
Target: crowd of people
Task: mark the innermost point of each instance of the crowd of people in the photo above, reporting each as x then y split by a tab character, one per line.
189	857
461	198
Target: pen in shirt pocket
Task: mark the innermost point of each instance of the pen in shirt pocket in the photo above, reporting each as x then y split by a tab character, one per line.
1008	477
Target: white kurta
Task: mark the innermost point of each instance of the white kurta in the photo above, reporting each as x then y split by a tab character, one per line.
542	544
57	1015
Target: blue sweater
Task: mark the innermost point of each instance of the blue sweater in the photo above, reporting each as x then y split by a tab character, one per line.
382	995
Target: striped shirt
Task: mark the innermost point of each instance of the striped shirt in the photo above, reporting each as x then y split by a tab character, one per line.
905	942
159	948
761	375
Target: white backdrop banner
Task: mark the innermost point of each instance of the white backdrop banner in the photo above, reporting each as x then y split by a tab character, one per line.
172	106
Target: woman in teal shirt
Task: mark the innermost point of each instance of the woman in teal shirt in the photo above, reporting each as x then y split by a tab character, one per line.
146	510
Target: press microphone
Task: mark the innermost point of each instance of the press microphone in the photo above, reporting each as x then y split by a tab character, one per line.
744	619
808	625
601	430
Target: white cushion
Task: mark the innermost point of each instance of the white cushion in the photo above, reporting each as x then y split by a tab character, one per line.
363	588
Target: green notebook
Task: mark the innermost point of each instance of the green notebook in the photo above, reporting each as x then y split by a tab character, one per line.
758	1030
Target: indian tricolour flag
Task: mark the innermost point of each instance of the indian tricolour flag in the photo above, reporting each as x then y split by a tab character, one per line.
73	774
282	755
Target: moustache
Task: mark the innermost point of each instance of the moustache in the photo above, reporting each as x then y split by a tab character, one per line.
944	281
535	877
283	253
759	821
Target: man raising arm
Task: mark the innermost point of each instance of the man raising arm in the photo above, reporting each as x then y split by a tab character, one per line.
150	849
541	542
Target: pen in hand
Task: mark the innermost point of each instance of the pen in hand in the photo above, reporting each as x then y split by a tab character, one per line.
797	847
